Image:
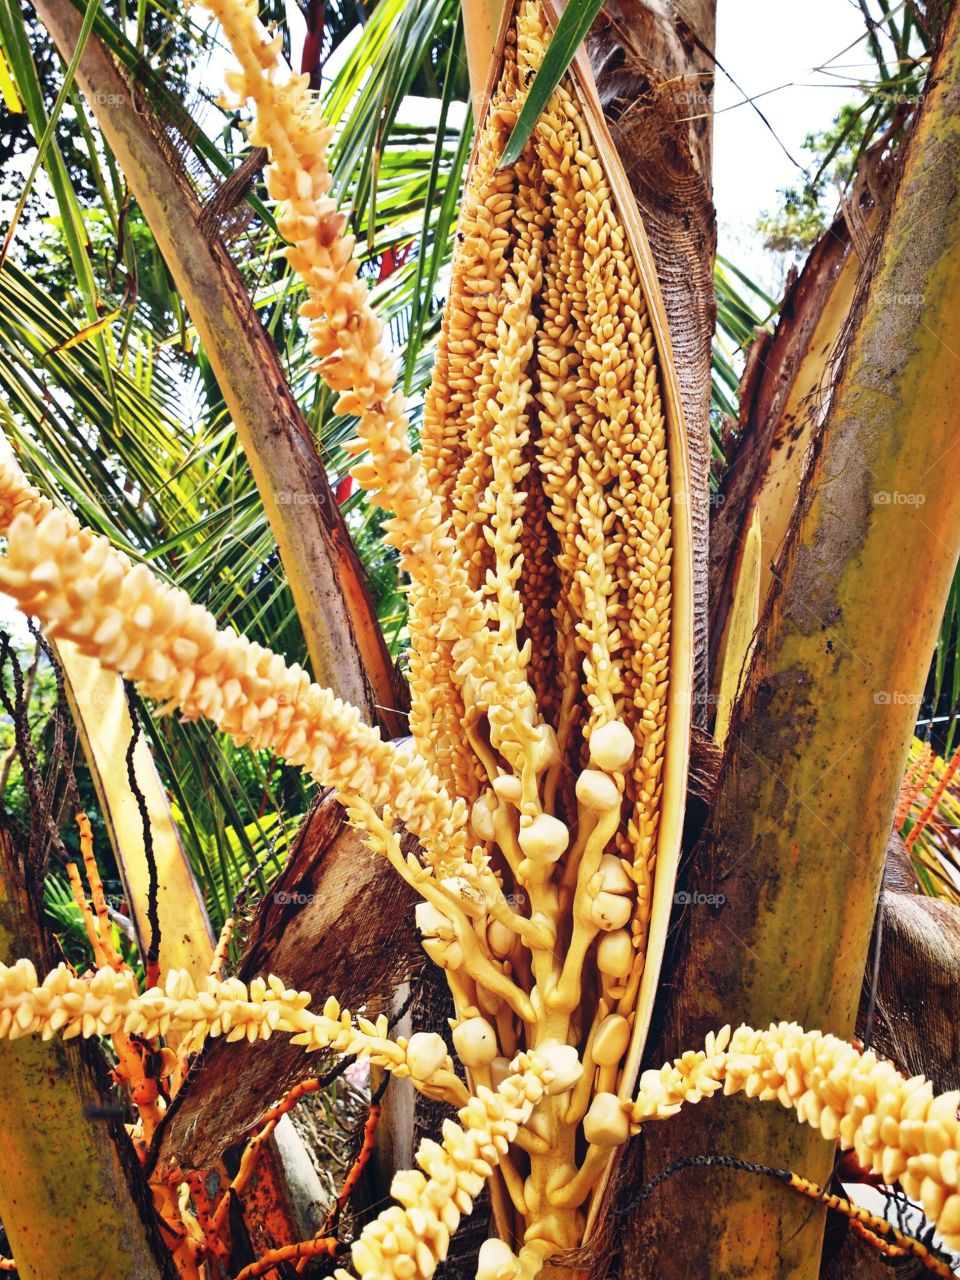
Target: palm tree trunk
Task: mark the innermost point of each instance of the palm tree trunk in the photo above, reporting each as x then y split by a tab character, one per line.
783	398
800	826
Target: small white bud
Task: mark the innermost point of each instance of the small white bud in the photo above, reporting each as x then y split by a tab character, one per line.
481	816
606	1124
426	1053
597	790
612	746
610	1042
546	751
563	1062
497	1261
475	1042
545	839
431	921
613	875
508	788
615	954
610	911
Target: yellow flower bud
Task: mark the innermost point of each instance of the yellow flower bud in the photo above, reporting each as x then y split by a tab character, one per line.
613	875
563	1064
475	1042
597	790
497	1261
545	839
426	1053
606	1124
611	1040
612	746
610	911
615	954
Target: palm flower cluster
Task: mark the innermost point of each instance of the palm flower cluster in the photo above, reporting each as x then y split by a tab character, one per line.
540	528
109	1002
536	530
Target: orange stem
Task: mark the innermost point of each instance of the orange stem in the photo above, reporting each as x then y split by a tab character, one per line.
934	800
89	922
290	1100
216	1241
220	954
251	1154
877	1231
96	890
302	1252
366	1151
912	787
905	1248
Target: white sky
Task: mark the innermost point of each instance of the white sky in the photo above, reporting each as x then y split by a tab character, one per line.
772	45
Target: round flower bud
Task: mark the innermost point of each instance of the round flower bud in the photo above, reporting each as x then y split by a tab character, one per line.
612	746
508	788
497	1261
610	1042
500	939
475	1042
563	1062
481	816
426	1053
606	1124
611	910
546	749
615	954
613	875
544	839
431	921
597	790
